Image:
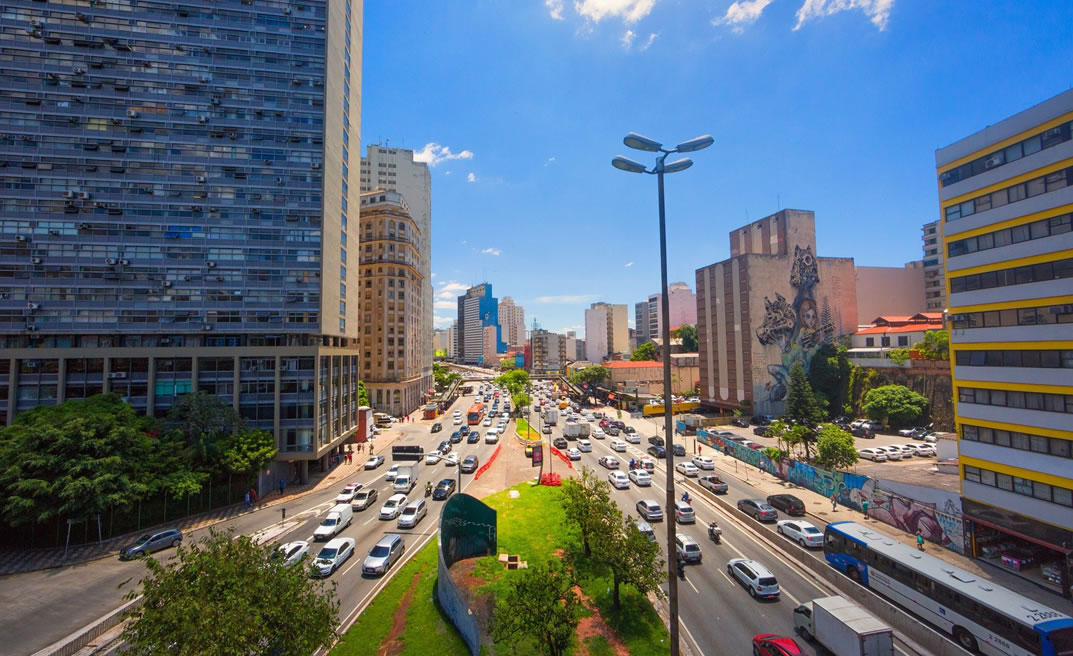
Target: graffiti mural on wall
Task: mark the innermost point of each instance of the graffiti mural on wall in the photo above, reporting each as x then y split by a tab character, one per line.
797	328
936	513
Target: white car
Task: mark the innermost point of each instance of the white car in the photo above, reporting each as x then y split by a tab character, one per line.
292	552
640	477
598	434
334	554
908	450
392	473
347	495
618	480
618	445
633	438
893	452
487	422
451	460
874	455
686	468
456	413
573	454
611	462
800	532
374	462
647	464
393	506
457	421
930	439
584	446
925	450
433	457
703	462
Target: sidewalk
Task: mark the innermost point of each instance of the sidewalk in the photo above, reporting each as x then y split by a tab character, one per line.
819	508
15	561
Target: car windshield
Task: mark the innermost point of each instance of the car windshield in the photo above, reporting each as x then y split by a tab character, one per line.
767	580
327	554
391	504
361	495
330	521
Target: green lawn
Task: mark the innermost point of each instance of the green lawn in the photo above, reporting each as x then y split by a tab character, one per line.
524	429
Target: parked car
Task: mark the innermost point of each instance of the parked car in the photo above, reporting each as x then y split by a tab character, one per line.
758	509
383	555
893	452
650	510
151	542
683	513
874	455
925	450
332	555
611	462
713	483
703	462
800	532
437	427
656	440
374	461
640	477
756	578
470	464
740	422
762	420
862	431
770	644
618	480
787	503
686	469
760	430
444	489
291	553
364	498
413	513
618	445
657	452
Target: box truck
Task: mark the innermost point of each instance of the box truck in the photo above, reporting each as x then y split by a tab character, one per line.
551	416
574	430
843	627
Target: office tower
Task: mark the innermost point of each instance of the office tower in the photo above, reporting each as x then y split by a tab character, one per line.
452	339
477	308
1006	202
512	320
606	331
394	169
648	314
391	304
176	215
934	280
646	319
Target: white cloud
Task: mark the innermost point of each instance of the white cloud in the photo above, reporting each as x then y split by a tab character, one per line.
630	11
579	329
445	305
472	177
443	322
555	8
575	298
433	154
878	11
551	160
648	43
742	13
627	39
628	264
448	172
449	290
492	251
433	275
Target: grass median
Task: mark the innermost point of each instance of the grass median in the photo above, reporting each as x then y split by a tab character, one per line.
525	431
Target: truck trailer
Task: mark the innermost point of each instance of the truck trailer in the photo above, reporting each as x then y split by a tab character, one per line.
843	628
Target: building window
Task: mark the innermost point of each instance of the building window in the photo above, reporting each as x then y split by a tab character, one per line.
1055	225
1041	272
1017	399
1034	144
1034	187
869	341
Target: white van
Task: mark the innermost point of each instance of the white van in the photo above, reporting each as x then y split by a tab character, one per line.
491	436
338	518
404	481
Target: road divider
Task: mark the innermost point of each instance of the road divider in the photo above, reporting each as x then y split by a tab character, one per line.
488	464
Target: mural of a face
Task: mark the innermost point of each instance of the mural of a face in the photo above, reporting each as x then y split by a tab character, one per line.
810	319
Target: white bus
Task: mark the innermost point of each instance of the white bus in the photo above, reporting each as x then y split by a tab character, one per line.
983	617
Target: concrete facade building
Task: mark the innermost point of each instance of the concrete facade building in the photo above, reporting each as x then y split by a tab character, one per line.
934	269
871	346
394	169
549	350
570	346
606	331
477	309
1006	201
648	315
491	342
452	339
773	303
392	304
512	321
225	270
890	290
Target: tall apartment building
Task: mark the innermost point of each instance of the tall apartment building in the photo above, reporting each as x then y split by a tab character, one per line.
934	270
648	314
549	350
391	304
394	169
175	217
477	308
452	339
646	319
512	321
570	346
1006	201
606	331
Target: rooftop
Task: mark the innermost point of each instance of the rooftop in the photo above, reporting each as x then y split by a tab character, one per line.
630	364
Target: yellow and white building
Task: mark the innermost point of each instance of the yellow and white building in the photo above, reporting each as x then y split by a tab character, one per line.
1006	206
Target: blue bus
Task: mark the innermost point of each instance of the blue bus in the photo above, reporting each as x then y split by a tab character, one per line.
981	616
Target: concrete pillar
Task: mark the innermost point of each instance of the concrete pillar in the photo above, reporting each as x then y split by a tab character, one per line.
303	471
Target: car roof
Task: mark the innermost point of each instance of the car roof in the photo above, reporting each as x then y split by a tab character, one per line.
397	497
338	543
415	503
387	540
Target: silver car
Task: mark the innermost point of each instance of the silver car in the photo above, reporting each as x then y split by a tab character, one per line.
383	555
800	532
151	542
412	514
756	578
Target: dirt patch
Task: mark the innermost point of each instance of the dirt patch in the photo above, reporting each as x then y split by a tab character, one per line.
392	644
595	625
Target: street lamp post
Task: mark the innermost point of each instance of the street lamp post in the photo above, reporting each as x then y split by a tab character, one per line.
638	142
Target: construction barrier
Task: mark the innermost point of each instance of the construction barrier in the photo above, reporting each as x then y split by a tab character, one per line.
488	464
562	456
551	479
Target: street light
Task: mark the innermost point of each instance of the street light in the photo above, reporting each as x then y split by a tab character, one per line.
639	142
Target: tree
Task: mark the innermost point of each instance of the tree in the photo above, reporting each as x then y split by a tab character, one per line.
202	414
247	451
896	405
899	356
801	404
587	502
591	376
630	555
79	459
829	374
646	351
507	364
688	334
515	380
363	394
520	400
936	345
227	595
539	605
835	448
439	353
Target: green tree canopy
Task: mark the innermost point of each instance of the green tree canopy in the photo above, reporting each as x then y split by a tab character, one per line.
443	376
587	502
79	458
801	403
515	380
439	353
363	394
202	414
835	448
539	606
896	405
248	450
936	345
646	351
227	595
631	556
829	373
688	334
594	375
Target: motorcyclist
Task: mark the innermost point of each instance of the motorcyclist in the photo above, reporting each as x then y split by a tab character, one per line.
685	497
714	531
428	488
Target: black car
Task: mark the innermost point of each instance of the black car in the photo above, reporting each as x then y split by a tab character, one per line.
437	427
787	503
470	464
679	450
760	430
445	489
463	431
657	451
740	422
656	440
559	443
456	437
444	448
629	430
619	424
762	420
863	431
473	438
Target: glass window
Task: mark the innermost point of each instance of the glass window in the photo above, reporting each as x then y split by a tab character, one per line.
1032	146
1022	486
1020	441
1039	443
972	474
1055	180
1036	187
998	397
1059	447
987	477
1062	496
1016	193
1002	438
1004	481
999	198
1012	152
1015	399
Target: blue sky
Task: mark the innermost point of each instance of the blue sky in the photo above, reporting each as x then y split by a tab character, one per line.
836	106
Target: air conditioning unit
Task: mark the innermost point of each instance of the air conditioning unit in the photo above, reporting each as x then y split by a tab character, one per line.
206	327
117	375
68	194
22	238
993	161
124	262
215	101
315	165
85	195
201	178
211	265
132	114
32	306
78	70
202	78
37	22
111	261
166	283
203	118
70	203
32	329
35	260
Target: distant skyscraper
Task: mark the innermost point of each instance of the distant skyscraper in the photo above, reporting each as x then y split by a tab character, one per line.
180	219
452	339
477	308
648	314
512	320
934	279
606	331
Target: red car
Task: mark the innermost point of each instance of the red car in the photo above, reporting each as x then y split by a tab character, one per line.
605	423
769	644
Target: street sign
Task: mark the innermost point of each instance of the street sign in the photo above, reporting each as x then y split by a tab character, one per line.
538	455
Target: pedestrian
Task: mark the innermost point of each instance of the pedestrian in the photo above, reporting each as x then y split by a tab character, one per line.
864	506
834	501
253	495
920	540
281	484
350	458
247	499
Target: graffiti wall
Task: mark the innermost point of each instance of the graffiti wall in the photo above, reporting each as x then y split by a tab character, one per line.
936	513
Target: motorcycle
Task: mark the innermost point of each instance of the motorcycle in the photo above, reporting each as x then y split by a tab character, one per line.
428	490
714	532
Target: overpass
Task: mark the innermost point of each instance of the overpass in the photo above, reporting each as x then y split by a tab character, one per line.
477	373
